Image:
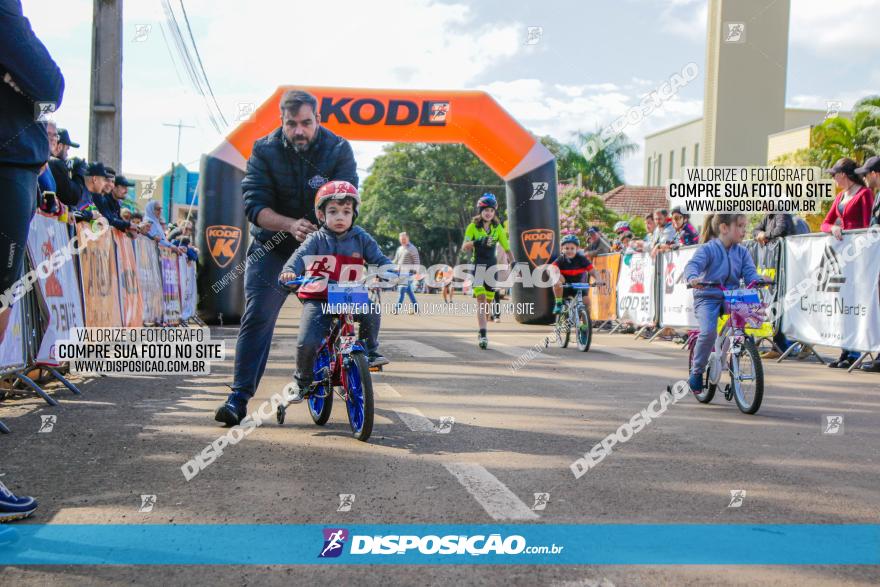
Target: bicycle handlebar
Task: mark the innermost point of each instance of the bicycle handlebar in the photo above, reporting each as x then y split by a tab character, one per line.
717	284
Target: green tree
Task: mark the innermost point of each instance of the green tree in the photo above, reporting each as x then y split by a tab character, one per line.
598	161
428	191
857	138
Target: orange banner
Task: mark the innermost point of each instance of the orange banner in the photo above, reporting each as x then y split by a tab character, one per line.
409	116
131	300
603	300
100	288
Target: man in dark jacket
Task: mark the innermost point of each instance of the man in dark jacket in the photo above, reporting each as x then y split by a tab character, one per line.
29	79
108	204
70	176
772	227
285	170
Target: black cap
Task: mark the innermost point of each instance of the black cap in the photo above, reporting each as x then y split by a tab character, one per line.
847	166
110	172
872	164
593	230
97	169
64	138
122	180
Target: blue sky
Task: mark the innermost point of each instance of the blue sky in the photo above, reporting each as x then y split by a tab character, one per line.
594	60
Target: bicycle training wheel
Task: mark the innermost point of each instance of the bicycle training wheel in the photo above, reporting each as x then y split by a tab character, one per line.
747	378
359	394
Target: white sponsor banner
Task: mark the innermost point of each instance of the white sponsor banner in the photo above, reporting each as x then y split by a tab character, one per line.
635	289
11	338
58	283
150	278
676	300
831	291
187	271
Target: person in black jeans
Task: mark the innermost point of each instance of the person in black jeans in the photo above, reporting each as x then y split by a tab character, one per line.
29	79
284	172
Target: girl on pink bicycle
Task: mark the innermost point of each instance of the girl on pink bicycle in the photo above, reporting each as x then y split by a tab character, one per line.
722	260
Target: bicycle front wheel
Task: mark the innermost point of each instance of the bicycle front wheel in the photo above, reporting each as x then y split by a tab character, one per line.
563	329
584	330
359	396
747	377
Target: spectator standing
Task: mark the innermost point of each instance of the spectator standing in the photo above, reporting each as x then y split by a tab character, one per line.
30	78
850	210
596	243
407	255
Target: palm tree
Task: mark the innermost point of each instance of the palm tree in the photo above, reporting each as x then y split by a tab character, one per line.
596	160
857	138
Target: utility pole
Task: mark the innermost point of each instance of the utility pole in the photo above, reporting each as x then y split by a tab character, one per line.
105	113
180	126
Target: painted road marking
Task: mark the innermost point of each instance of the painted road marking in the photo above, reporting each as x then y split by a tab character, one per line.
415	420
419	350
385	390
628	353
498	501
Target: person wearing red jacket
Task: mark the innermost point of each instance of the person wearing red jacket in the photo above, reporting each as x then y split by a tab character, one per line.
851	210
852	206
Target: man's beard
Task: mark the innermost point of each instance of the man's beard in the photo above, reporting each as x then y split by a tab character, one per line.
303	146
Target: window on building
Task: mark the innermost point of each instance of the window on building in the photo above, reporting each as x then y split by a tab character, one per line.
648	170
660	169
696	154
683	155
671	164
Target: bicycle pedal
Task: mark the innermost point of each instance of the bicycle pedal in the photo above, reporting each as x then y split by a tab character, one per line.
376	369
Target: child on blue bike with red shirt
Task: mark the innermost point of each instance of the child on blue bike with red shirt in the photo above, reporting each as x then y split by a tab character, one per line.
573	267
721	260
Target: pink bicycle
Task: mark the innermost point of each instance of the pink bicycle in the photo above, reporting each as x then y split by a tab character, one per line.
734	350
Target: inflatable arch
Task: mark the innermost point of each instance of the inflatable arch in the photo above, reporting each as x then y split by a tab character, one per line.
468	117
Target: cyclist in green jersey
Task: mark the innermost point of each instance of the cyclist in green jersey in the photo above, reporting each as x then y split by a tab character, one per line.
480	238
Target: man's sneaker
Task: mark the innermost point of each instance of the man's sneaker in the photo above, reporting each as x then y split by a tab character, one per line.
376	359
557	308
696	382
771	354
295	392
13	507
484	342
871	366
805	353
233	410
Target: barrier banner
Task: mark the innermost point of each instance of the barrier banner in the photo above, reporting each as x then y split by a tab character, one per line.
49	247
676	300
635	289
170	285
832	290
187	272
150	279
100	288
603	300
130	301
11	338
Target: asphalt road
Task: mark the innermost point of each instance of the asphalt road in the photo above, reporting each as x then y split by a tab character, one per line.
461	436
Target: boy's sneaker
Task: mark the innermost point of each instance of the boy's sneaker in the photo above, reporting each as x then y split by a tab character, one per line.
557	308
376	359
483	341
233	410
13	507
696	383
295	392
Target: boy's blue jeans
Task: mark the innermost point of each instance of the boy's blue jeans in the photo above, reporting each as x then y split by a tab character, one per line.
314	326
707	308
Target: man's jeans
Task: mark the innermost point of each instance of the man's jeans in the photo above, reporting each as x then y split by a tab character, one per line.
314	326
406	290
19	189
263	300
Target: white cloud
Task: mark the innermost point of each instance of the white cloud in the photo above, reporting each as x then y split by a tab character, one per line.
686	19
838	27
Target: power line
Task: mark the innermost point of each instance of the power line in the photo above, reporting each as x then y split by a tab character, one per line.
201	67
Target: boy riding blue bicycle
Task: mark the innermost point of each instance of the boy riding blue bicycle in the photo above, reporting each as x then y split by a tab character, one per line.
336	245
574	266
724	261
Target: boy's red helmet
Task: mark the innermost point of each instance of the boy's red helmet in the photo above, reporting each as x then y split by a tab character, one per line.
337	190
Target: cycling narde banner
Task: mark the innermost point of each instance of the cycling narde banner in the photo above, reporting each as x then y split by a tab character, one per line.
839	306
131	304
59	292
635	289
100	289
676	300
603	300
170	286
186	269
150	279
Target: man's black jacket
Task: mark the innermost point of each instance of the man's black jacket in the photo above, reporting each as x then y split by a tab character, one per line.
69	189
775	225
109	207
285	181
